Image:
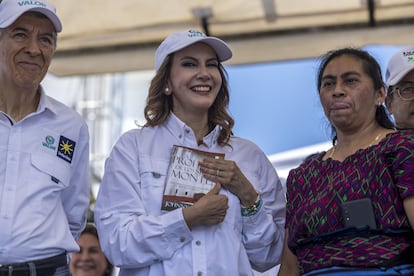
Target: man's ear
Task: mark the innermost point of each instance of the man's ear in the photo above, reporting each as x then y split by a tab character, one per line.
388	104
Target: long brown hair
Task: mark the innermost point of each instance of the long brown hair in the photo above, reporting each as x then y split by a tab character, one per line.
159	105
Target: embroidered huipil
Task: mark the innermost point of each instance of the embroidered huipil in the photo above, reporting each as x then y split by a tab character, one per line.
143	240
315	190
44	182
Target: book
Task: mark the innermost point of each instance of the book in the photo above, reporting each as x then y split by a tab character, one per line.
185	183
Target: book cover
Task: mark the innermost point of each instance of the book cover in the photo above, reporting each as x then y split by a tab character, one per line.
185	183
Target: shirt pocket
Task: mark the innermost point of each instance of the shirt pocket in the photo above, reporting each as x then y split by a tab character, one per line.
152	174
51	171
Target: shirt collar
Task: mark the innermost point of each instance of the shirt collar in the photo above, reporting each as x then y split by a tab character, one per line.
45	102
184	133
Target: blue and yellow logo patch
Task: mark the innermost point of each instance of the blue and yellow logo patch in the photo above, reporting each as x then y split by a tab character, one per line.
66	149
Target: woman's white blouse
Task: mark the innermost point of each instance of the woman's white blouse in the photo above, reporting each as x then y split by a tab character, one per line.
143	240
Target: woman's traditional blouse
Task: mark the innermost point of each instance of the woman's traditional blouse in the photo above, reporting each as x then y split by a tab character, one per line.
315	190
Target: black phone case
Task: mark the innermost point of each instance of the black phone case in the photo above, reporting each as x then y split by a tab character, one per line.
359	213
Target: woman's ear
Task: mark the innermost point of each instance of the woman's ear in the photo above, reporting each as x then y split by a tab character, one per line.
382	94
167	91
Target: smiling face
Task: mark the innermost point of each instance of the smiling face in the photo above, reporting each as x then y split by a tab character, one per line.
402	110
347	94
26	50
90	261
195	80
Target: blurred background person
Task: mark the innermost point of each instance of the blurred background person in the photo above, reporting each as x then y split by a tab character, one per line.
90	260
400	82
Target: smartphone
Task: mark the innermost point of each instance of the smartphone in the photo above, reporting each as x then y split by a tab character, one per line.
359	213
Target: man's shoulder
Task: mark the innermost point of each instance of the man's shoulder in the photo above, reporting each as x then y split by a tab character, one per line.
62	109
56	103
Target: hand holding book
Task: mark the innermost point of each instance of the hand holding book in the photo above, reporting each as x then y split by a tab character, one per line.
185	183
208	210
231	178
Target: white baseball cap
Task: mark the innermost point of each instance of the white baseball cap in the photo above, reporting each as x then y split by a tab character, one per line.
10	10
399	65
179	40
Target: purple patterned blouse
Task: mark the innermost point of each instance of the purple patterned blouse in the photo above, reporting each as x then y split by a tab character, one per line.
315	190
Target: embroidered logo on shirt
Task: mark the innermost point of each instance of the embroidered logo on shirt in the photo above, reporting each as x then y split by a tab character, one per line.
66	149
49	142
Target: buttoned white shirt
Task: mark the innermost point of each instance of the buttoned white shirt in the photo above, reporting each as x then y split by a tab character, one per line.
44	182
143	240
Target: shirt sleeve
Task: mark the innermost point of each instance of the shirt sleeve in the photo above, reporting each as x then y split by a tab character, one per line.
76	197
129	236
404	165
263	233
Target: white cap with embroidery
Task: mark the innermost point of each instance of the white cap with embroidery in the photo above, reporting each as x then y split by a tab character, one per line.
399	65
180	40
11	10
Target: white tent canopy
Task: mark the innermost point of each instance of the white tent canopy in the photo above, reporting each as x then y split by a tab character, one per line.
118	36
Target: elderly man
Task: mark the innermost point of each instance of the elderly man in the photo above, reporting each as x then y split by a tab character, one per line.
44	149
400	82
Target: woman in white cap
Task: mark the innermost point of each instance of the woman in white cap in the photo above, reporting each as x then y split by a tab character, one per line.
235	226
400	83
